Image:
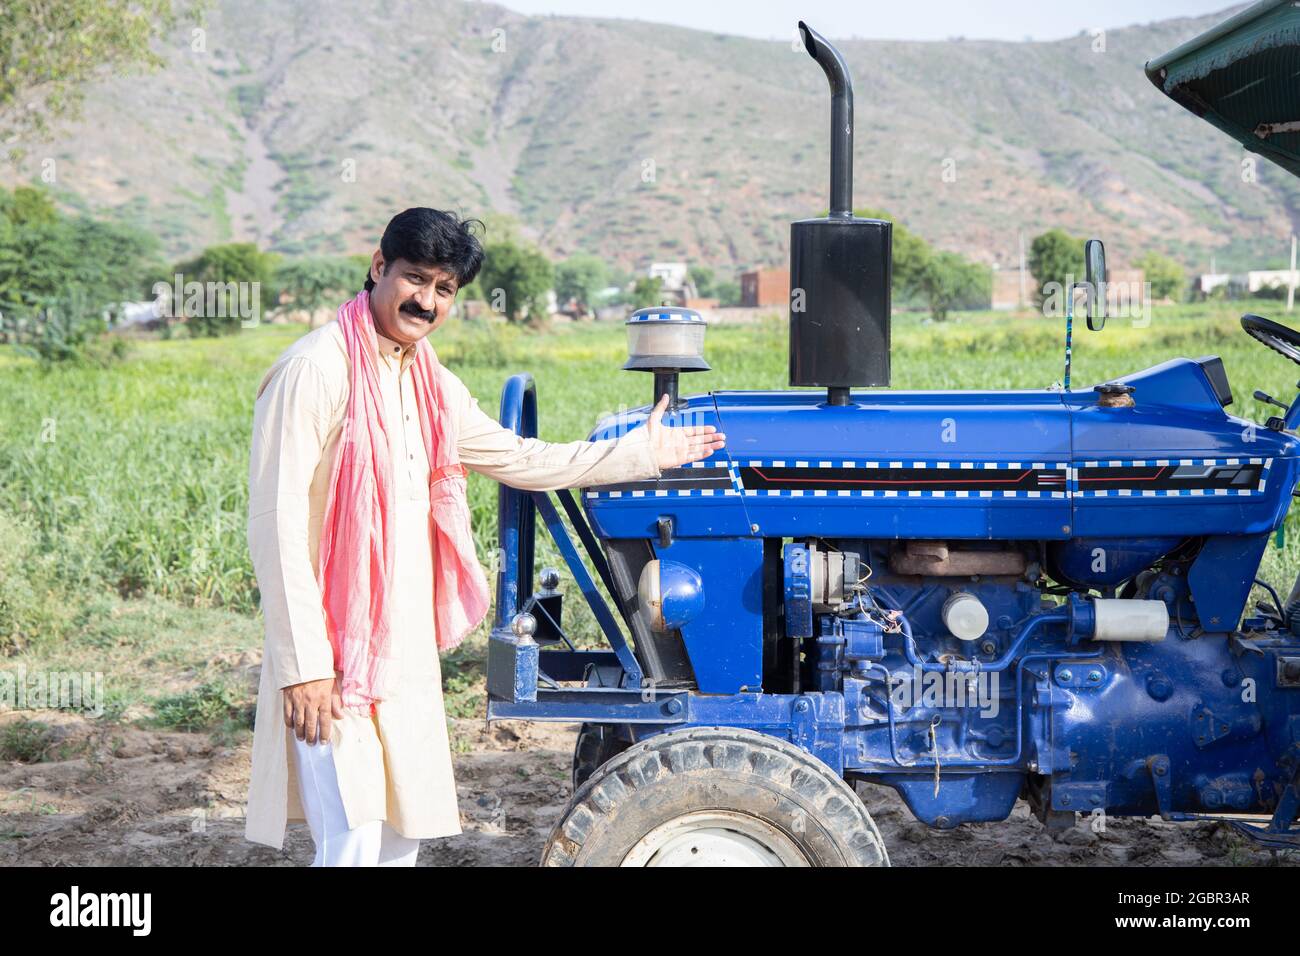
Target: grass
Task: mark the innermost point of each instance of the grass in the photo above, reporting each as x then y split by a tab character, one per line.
123	490
27	741
215	704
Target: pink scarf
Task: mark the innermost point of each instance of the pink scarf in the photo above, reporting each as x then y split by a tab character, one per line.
356	543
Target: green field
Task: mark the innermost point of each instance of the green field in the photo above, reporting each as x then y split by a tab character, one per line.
123	489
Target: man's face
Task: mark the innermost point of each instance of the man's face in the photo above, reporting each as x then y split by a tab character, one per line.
409	301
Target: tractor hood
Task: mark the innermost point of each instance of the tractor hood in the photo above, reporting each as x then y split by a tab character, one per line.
1243	76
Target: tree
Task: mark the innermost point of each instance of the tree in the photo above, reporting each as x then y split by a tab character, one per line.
60	277
50	49
709	286
706	286
34	257
1055	257
223	287
1167	278
580	279
948	281
318	281
516	277
942	280
29	206
646	292
911	254
44	255
727	292
115	262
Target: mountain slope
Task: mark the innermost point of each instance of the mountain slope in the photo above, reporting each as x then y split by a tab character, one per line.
305	128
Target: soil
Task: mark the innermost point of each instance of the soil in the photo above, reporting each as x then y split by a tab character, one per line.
125	796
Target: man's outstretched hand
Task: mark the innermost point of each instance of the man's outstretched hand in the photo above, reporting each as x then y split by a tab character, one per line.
677	446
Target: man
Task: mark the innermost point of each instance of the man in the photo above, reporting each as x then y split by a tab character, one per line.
359	533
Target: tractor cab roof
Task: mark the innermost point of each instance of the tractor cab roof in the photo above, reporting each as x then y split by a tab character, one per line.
1243	76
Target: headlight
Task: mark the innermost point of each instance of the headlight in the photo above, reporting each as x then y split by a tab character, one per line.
671	594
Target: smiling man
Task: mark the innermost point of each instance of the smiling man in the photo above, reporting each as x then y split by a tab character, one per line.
359	532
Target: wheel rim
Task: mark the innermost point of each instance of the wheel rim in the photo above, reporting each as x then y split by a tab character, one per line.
716	838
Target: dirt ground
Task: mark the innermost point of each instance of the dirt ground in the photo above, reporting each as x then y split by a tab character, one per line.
131	797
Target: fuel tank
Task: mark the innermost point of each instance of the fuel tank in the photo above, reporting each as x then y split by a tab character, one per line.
1024	465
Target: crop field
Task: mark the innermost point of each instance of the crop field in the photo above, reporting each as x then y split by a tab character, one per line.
122	553
129	482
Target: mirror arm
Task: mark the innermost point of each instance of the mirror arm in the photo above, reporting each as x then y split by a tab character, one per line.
1069	331
1292	417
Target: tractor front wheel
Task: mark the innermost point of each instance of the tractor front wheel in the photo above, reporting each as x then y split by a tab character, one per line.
715	796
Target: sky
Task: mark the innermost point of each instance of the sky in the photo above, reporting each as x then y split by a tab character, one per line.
886	19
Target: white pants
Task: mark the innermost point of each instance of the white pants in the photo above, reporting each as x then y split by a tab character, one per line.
373	843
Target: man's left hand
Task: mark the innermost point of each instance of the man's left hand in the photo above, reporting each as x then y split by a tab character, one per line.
675	446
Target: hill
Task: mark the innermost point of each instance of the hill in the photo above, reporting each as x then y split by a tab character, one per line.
305	128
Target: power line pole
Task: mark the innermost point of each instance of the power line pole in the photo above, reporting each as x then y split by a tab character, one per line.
1024	277
1290	289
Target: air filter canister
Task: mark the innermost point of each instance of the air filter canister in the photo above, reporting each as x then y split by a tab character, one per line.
1121	619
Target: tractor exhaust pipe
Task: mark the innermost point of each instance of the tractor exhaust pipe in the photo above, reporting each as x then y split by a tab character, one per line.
840	266
837	74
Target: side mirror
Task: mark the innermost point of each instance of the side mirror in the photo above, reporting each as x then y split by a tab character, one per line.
1094	254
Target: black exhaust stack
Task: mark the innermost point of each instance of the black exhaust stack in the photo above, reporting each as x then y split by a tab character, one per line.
840	266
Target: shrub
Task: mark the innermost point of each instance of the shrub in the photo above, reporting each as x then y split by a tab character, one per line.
206	707
1167	278
27	741
33	605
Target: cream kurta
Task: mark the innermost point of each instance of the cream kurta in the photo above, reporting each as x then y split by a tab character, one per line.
396	764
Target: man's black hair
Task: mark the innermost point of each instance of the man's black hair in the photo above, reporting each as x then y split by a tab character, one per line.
431	237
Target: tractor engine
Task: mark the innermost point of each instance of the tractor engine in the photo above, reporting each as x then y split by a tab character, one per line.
972	597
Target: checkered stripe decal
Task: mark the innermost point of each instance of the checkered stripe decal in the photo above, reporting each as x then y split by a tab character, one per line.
840	478
1170	478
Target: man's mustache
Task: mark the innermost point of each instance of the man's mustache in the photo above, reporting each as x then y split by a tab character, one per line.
413	308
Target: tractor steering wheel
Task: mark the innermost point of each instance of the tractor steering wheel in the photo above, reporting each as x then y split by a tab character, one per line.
1283	340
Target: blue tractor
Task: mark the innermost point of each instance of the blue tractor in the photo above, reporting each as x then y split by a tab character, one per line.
971	597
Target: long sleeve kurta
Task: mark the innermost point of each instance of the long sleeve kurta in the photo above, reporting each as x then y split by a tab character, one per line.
395	764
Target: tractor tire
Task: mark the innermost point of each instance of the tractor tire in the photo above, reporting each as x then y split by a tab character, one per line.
597	744
715	796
